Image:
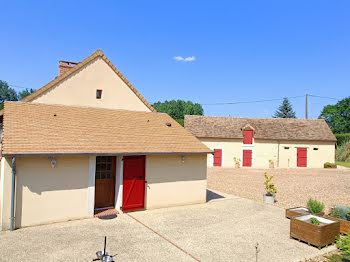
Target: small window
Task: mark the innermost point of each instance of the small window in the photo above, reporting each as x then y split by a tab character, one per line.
286	147
98	93
315	148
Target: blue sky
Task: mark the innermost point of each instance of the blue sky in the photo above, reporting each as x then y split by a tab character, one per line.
243	50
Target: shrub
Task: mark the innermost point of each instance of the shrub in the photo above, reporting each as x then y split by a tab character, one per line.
342	138
343	243
314	221
340	212
314	206
237	160
328	164
269	186
342	152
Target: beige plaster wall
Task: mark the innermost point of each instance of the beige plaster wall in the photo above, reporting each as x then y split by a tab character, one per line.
80	88
46	194
265	150
171	182
5	192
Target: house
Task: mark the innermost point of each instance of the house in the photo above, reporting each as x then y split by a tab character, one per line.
264	143
88	141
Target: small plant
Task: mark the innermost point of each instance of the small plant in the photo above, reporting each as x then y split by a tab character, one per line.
343	244
314	206
340	212
314	221
328	164
269	186
348	216
237	160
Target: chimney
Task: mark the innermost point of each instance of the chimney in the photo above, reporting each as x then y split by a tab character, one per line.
65	66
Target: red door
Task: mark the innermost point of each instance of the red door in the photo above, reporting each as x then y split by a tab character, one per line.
301	157
247	157
133	183
217	157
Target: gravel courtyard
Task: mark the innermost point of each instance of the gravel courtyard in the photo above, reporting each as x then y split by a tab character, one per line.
295	186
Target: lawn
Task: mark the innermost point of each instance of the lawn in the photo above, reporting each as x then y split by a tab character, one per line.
346	164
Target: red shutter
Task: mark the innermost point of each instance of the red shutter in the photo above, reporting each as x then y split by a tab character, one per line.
217	157
248	137
247	158
301	157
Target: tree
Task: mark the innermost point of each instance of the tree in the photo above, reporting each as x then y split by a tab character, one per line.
177	109
285	110
338	116
6	93
9	94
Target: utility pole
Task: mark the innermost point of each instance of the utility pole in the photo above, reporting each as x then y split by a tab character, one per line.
306	97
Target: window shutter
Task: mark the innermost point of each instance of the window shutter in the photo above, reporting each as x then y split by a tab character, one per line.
248	137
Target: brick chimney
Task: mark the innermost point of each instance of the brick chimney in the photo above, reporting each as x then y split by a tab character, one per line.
65	66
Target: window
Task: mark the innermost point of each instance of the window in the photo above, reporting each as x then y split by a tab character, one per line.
98	93
104	167
248	137
286	147
315	148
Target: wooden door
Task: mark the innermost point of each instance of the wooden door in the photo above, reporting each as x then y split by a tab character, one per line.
105	181
133	183
247	158
217	157
301	157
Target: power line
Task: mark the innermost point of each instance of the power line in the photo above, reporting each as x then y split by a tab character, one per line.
22	87
327	97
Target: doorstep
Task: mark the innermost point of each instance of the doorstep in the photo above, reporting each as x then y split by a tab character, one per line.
105	212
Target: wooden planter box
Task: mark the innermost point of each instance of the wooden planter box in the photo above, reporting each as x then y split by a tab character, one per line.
319	236
331	166
296	212
344	224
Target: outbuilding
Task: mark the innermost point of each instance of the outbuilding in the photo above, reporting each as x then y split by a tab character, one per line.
264	142
88	141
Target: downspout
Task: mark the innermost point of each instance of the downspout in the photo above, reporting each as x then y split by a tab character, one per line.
13	193
278	154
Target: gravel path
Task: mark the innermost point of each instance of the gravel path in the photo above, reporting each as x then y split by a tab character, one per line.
295	186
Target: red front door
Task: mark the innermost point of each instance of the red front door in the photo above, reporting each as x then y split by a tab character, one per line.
133	183
217	157
301	157
247	157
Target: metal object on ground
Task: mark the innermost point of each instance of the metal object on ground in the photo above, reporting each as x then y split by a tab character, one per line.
103	255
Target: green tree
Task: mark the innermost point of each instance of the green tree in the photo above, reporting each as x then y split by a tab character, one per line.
338	116
6	93
285	110
25	93
177	109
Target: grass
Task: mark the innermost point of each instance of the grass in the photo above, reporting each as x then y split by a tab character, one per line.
346	164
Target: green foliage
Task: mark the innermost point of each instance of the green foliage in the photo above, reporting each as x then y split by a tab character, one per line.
342	163
338	116
314	206
342	138
340	212
179	108
9	94
180	121
285	110
343	244
269	186
314	221
347	215
336	258
342	152
328	164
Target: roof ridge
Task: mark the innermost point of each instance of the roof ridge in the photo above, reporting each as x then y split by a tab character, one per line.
258	118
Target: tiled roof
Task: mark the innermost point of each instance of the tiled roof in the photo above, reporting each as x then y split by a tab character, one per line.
97	53
40	129
264	128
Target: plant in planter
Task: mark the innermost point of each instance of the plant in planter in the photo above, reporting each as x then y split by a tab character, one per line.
329	165
314	230
315	207
237	162
343	244
271	190
342	215
271	164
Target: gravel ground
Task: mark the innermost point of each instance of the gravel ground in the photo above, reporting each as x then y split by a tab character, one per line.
295	186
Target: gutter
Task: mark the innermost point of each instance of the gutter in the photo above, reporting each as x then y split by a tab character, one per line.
13	193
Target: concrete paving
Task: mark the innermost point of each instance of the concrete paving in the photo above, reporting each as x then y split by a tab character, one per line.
226	228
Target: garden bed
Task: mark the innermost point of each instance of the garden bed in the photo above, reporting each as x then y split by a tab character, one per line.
296	212
344	224
320	235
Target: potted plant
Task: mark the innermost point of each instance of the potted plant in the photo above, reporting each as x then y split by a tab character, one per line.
315	207
271	164
342	215
237	162
329	165
271	190
314	230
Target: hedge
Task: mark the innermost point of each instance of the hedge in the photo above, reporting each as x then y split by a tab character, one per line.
341	138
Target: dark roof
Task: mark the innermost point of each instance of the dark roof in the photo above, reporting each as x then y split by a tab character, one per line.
264	128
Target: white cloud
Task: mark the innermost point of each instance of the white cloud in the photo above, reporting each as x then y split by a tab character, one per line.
185	59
